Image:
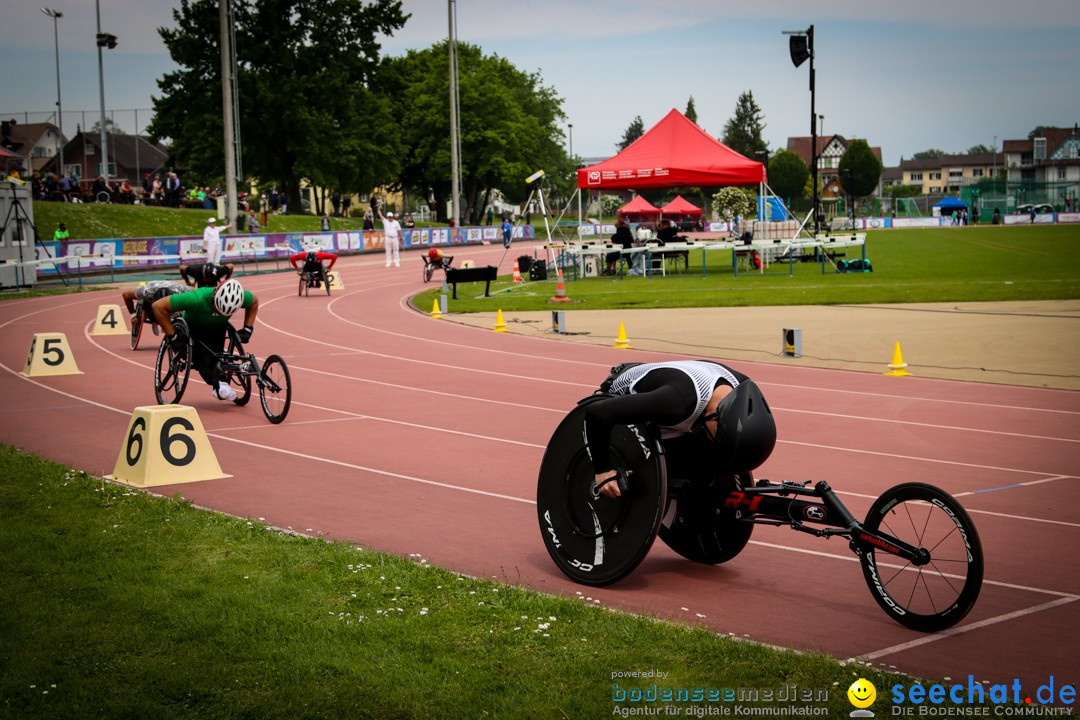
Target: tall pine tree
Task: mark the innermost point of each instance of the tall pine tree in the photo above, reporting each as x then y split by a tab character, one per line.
691	111
636	130
742	133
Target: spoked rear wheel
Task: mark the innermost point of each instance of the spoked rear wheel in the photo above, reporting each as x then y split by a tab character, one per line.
303	285
938	593
326	281
136	326
171	371
238	381
429	270
275	389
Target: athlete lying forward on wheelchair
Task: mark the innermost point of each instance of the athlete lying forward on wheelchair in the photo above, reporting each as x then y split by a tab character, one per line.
313	265
712	419
207	311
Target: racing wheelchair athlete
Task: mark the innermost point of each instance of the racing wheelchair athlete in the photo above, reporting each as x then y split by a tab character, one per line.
666	450
313	274
138	301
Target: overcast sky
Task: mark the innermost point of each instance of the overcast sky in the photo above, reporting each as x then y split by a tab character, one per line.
906	77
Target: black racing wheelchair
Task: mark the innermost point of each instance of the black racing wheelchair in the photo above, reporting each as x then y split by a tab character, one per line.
920	554
235	367
432	264
314	278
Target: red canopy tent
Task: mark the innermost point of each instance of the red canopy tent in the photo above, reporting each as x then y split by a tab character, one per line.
673	153
640	206
680	206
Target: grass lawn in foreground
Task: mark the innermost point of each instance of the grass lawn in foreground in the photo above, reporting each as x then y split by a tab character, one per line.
118	603
963	264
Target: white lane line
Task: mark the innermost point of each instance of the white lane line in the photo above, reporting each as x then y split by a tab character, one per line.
962	629
934	426
915	458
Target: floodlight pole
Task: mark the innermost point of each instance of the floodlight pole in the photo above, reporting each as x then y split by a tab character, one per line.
59	108
813	129
101	90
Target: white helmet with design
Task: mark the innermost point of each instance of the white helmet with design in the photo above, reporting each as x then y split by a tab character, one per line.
228	297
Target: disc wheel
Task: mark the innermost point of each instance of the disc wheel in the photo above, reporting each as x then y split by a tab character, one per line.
931	595
136	326
171	371
698	526
594	539
275	390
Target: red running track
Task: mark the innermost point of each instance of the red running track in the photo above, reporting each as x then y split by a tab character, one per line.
420	436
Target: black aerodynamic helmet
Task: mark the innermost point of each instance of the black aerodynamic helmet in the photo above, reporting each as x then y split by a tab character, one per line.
745	429
312	256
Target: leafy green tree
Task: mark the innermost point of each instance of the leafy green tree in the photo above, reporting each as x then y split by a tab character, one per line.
928	154
742	133
979	149
788	174
306	108
633	132
110	127
691	111
510	126
859	169
731	202
902	191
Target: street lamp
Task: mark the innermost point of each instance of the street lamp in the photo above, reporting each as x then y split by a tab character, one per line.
59	108
801	46
103	40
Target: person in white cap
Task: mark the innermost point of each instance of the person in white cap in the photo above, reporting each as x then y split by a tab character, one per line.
211	240
392	242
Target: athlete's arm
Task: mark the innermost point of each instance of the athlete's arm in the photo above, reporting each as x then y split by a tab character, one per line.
163	314
293	259
331	257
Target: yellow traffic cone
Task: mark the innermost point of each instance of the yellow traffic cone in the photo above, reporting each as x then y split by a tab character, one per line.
435	314
500	324
621	342
897	368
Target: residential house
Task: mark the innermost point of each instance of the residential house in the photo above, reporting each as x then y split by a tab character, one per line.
830	150
36	143
1052	157
130	157
947	174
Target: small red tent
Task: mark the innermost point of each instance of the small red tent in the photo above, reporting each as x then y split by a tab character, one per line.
680	206
673	153
641	207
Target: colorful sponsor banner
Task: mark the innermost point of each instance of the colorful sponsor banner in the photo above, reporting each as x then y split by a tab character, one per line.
1068	217
116	254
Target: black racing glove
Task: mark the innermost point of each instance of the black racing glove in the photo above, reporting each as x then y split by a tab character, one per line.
178	342
244	333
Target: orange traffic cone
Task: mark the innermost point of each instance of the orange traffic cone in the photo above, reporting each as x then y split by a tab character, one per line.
435	314
517	273
622	342
897	368
560	289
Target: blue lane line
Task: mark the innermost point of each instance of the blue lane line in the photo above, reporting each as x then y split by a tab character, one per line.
1003	487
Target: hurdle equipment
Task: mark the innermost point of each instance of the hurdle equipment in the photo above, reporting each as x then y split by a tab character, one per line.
435	314
517	273
165	445
336	283
110	321
622	342
897	368
50	354
500	324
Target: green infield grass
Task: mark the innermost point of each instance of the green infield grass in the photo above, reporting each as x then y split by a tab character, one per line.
966	264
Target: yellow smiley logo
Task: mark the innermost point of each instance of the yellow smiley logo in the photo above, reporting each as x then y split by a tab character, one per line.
862	693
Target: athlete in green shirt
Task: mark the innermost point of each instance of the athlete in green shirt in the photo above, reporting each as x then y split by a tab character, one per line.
207	311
